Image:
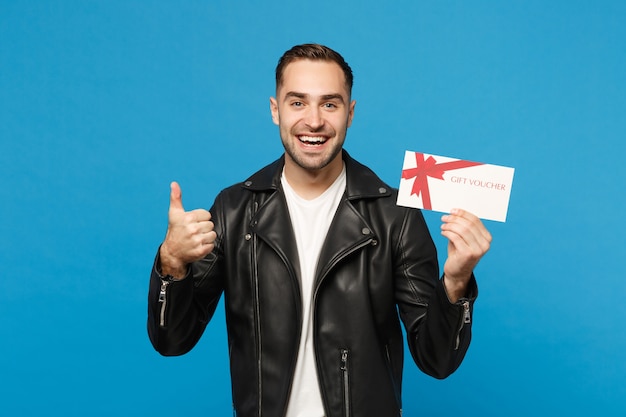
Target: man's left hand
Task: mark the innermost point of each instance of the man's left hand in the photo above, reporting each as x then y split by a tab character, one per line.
468	241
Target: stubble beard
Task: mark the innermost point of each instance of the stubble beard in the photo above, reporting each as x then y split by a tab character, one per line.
309	164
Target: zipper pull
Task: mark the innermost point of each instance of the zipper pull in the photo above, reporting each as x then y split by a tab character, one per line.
164	285
344	359
345	379
467	319
163	301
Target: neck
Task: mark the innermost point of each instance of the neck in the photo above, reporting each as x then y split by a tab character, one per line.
310	184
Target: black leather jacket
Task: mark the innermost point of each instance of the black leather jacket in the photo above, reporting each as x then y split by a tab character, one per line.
377	266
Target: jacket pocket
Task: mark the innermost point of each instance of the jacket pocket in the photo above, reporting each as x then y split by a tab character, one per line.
345	381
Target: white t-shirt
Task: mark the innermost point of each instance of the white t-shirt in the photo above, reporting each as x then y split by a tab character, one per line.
311	220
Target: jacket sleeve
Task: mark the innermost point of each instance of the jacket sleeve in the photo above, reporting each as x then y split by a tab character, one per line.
178	311
438	331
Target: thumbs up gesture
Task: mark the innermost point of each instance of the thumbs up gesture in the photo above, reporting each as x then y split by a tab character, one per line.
190	236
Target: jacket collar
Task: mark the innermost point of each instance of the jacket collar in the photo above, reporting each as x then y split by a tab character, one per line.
361	182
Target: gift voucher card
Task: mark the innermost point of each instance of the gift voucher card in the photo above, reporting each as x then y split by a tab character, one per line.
441	183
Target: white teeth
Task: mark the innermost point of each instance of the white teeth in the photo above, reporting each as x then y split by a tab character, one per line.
312	139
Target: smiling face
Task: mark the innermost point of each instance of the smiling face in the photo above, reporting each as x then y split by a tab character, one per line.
313	111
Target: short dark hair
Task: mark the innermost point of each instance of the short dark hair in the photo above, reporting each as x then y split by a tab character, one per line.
314	52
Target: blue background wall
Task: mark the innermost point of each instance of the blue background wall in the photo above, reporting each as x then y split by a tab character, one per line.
103	103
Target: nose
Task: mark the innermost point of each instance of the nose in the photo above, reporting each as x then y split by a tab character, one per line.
314	119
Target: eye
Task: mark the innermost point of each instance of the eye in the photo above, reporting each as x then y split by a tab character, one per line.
330	105
297	104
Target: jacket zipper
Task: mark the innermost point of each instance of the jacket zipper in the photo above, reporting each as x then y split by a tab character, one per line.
344	352
345	379
257	313
466	319
335	261
163	301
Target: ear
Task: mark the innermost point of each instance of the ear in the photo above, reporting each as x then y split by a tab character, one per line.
351	112
274	110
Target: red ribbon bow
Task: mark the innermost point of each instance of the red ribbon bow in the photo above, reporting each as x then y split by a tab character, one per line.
430	168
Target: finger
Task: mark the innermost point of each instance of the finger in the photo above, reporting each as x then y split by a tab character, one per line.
464	233
206	245
475	222
209	238
455	224
460	219
204	227
457	240
176	197
199	215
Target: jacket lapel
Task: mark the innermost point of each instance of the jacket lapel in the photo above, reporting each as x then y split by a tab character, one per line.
348	232
272	224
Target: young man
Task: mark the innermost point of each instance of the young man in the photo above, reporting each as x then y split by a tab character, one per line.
318	266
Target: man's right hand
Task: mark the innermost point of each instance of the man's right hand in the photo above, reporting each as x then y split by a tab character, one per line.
190	236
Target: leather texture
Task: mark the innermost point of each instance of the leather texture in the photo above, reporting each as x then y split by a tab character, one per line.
378	267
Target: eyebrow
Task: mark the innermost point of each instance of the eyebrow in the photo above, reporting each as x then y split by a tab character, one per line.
323	97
